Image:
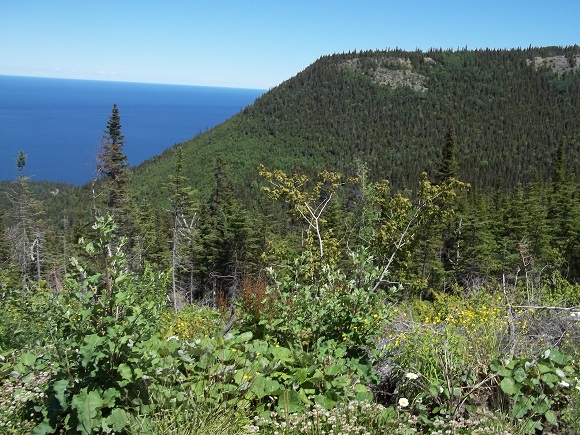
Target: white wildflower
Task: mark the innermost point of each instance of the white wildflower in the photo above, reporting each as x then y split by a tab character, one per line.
564	384
403	402
412	376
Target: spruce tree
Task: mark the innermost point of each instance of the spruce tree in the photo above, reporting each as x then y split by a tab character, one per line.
113	166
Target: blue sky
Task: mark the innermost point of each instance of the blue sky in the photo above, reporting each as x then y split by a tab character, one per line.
254	43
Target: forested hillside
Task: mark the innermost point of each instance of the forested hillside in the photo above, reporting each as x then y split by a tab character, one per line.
387	242
390	109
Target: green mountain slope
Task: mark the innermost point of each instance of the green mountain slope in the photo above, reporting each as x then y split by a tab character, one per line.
390	109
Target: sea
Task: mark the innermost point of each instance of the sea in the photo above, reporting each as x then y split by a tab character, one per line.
59	123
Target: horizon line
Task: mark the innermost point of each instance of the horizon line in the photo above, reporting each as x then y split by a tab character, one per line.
132	81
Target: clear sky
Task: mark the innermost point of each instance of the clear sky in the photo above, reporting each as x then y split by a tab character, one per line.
254	43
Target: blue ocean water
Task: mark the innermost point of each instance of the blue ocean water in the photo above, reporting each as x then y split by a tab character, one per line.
59	123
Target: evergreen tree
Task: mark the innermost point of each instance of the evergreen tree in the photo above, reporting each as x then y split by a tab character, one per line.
149	243
564	215
479	260
182	233
25	229
441	239
113	166
227	238
448	167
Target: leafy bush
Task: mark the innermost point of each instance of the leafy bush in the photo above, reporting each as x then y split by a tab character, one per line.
102	332
23	312
309	303
537	389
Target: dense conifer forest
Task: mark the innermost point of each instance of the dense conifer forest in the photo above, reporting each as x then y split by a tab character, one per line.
388	238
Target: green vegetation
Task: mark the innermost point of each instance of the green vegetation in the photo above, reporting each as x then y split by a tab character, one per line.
385	243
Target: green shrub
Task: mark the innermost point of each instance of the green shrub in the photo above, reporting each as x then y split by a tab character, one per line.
303	311
538	389
102	332
23	312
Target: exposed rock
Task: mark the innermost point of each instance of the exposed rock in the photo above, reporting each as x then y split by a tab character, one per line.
558	64
394	72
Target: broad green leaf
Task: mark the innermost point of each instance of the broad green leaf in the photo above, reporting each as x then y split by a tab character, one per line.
333	370
244	337
551	417
43	429
503	371
263	386
532	426
109	397
117	420
550	378
360	388
301	374
542	405
90	248
120	279
544	368
59	388
519	374
89	348
88	406
559	357
341	382
125	372
28	359
291	402
324	401
522	406
509	386
388	413
303	397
